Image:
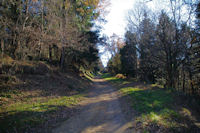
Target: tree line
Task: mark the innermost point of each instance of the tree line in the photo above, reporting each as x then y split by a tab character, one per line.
56	31
162	48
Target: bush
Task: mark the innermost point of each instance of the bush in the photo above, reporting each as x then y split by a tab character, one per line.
120	76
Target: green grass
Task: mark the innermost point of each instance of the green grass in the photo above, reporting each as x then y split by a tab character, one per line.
89	75
112	79
20	116
153	104
148	100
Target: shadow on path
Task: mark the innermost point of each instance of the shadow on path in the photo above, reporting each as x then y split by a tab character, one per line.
100	113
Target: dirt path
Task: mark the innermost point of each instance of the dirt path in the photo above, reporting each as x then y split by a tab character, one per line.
101	113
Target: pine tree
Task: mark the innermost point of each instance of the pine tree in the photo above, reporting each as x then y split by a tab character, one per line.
129	55
146	44
195	53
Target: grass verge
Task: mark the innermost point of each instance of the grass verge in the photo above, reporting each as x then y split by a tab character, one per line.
37	103
155	108
113	79
23	116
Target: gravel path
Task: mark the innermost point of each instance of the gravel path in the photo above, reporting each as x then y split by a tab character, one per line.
101	113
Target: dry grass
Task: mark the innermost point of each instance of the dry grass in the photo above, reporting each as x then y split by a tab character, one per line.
33	101
120	76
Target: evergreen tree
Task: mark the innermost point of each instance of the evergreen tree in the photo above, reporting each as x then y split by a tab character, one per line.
195	53
146	44
129	55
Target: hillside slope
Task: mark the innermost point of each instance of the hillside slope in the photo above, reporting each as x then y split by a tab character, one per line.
35	97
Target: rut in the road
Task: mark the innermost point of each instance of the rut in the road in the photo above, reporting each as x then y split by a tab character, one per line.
101	113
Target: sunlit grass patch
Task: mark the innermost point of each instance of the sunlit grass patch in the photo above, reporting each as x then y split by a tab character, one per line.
186	112
166	118
129	90
112	79
39	105
89	75
146	101
20	116
157	85
154	106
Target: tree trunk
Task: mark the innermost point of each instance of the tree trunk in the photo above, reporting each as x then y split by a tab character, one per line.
2	48
183	81
50	53
62	58
18	51
191	83
178	80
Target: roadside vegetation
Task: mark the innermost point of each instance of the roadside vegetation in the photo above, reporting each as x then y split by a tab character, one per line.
161	47
36	97
47	51
157	109
27	115
156	65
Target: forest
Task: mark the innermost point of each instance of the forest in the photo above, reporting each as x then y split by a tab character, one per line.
57	32
160	48
53	79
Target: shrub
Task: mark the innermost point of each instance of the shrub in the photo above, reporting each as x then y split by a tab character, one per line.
120	76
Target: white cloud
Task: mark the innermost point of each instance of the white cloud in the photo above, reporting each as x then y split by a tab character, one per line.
116	18
116	22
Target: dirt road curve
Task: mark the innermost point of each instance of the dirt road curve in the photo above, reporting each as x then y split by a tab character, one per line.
101	113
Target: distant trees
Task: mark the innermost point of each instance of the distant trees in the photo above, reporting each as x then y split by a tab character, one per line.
56	31
194	55
129	55
146	43
114	64
163	50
